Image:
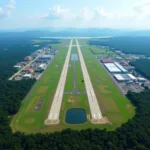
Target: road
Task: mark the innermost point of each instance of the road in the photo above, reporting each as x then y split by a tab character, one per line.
26	65
96	115
53	117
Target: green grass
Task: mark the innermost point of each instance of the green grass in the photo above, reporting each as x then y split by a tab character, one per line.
114	106
69	81
27	119
74	42
102	51
79	75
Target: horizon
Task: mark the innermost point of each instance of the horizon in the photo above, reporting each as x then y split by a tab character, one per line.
122	15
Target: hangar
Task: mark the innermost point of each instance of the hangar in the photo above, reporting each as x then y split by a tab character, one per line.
112	68
120	67
122	77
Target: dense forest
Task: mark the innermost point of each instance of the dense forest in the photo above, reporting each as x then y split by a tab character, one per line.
135	134
142	66
130	45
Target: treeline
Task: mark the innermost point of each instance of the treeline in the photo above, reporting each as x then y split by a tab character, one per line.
129	45
133	135
142	66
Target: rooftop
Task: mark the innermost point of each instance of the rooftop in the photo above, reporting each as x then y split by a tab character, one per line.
111	67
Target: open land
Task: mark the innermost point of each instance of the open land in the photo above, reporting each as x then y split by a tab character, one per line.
113	104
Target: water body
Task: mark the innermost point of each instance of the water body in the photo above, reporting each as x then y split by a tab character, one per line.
76	116
74	57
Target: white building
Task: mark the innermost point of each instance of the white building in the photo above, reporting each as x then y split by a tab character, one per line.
132	77
120	67
112	68
119	77
27	76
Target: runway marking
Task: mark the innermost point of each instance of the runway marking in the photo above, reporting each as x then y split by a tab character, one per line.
94	106
56	105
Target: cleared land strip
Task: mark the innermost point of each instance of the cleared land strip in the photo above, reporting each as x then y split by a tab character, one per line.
96	115
53	117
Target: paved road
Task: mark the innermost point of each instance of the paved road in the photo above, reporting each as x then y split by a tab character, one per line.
53	117
26	66
76	93
96	114
74	76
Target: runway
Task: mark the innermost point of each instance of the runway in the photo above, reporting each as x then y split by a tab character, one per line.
53	117
96	115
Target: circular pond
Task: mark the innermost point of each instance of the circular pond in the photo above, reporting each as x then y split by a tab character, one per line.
75	116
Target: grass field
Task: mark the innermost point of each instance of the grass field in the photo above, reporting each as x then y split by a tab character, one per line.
117	108
79	76
101	51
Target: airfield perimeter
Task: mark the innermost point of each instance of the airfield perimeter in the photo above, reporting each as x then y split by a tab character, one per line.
112	103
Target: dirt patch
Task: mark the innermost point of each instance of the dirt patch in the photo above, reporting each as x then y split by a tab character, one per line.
42	89
103	89
51	122
88	117
70	100
38	105
31	104
104	120
29	121
107	121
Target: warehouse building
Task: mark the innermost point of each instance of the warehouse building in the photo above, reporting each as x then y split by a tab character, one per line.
42	67
132	77
112	68
107	61
122	77
46	56
27	76
120	67
140	79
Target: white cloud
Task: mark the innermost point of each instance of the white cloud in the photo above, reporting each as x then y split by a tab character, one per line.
84	15
56	13
97	17
6	10
99	11
10	6
143	7
1	12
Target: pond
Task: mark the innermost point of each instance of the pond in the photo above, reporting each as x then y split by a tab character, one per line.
75	116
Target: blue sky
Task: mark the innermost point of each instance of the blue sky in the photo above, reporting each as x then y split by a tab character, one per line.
120	14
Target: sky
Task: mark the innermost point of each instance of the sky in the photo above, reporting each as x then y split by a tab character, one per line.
117	14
